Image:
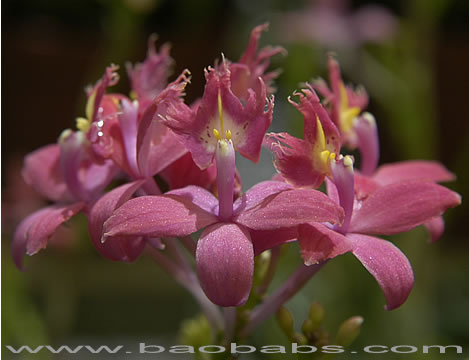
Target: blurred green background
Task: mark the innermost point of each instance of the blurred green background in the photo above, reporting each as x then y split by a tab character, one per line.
417	77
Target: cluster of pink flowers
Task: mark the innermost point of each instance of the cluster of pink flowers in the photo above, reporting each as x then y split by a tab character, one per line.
154	135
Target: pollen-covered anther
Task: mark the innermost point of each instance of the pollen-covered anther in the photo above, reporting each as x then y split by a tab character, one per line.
369	118
65	134
83	124
348	161
216	133
326	157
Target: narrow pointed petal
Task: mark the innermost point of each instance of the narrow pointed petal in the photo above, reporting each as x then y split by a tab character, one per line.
96	94
319	243
117	248
400	207
335	80
253	64
290	208
34	231
158	216
435	228
225	263
158	146
413	170
268	239
312	110
388	265
255	195
43	173
150	77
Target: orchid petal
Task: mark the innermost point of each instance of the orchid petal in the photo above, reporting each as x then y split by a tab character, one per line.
199	197
290	208
364	186
258	193
225	263
117	248
400	207
413	170
42	171
72	155
388	265
253	64
96	177
293	160
34	231
436	227
96	94
184	172
150	77
319	243
158	216
312	110
158	146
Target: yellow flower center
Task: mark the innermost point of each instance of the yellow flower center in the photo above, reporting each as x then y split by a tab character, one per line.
347	114
222	134
323	156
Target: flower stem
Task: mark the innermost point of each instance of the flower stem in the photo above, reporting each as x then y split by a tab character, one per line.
269	275
293	284
230	323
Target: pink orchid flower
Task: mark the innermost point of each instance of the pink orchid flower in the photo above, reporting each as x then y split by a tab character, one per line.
146	148
63	174
75	172
390	209
226	249
345	102
306	162
243	123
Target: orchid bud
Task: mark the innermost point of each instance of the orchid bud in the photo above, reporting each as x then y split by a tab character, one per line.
308	328
285	321
316	315
349	331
